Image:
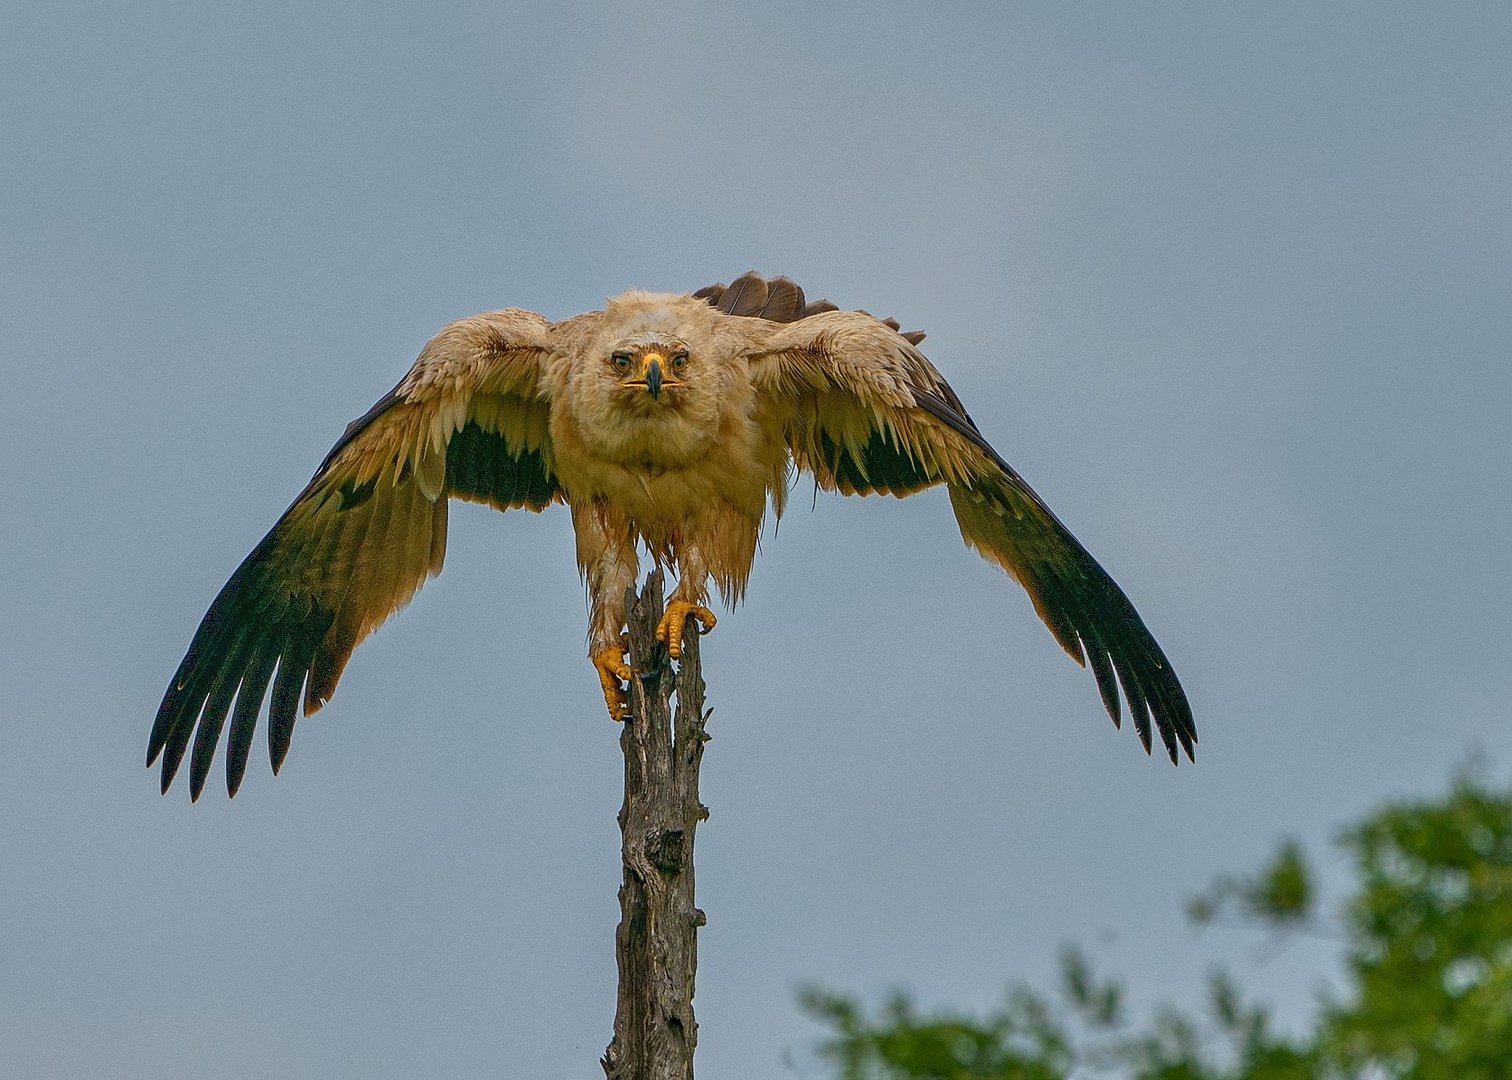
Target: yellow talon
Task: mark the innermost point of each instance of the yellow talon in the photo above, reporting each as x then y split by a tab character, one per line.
670	629
612	669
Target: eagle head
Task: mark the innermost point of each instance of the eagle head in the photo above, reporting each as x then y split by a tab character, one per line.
647	367
652	383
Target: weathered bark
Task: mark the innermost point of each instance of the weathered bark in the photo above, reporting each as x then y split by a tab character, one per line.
656	943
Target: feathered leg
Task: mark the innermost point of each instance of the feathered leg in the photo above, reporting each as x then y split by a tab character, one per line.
606	557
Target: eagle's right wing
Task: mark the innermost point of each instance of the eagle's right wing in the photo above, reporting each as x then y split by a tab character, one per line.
468	421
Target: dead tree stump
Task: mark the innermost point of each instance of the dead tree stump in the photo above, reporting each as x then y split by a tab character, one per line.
656	944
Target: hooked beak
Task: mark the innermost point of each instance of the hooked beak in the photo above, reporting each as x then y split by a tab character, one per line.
652	376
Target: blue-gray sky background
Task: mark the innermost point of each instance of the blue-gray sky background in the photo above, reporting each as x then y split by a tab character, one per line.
1229	285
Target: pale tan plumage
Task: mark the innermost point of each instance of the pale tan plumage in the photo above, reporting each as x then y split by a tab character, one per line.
666	420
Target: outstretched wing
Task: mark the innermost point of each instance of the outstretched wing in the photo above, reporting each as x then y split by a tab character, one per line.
467	421
865	412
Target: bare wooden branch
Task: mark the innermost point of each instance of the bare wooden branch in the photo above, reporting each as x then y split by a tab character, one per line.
656	943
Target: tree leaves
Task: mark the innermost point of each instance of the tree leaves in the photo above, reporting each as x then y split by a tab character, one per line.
1427	931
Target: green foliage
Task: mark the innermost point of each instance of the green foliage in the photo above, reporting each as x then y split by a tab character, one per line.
1022	1041
1427	935
1080	1032
1281	896
1430	939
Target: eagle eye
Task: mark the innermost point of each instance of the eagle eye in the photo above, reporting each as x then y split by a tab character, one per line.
679	359
621	361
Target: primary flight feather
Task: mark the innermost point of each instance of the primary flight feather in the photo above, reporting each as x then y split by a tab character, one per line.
666	421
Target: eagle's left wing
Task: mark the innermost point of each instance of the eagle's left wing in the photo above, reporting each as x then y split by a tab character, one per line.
865	412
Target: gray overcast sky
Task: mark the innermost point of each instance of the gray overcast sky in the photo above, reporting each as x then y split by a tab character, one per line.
1228	284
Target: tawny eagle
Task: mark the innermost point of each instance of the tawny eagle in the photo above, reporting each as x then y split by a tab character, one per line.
665	421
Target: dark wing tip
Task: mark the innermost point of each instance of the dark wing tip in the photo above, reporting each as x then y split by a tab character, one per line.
1150	687
252	627
1091	617
1119	646
1085	610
